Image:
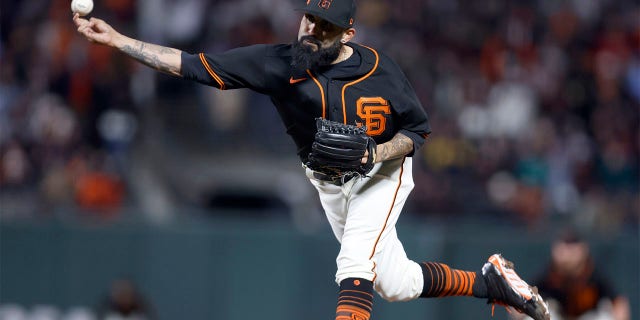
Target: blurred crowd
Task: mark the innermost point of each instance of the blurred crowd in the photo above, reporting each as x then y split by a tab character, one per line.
534	104
122	301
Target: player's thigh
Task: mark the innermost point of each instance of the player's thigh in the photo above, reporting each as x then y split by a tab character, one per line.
377	205
333	204
373	210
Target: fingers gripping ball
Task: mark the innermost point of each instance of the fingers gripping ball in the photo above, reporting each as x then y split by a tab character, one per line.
338	149
82	7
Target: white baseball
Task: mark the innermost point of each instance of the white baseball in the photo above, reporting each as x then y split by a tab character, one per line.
82	7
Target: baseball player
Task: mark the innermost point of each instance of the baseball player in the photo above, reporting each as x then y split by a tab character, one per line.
356	122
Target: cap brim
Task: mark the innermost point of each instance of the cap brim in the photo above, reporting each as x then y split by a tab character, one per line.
320	14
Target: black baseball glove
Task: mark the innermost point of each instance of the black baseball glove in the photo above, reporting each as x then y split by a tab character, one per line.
338	149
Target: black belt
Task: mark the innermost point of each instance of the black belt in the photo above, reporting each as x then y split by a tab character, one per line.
337	180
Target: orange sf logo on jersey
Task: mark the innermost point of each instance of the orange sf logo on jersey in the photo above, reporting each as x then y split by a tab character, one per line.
372	111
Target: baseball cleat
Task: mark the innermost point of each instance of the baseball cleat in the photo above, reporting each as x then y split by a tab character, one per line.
506	288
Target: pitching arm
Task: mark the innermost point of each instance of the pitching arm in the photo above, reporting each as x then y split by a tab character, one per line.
163	59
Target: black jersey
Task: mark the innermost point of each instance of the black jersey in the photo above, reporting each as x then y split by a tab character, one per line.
374	92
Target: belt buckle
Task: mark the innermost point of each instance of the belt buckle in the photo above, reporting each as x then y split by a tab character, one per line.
335	180
327	178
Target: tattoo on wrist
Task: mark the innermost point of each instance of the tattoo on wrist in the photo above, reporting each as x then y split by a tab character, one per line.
151	55
395	148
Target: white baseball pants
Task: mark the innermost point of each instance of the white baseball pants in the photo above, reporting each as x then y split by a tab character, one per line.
363	214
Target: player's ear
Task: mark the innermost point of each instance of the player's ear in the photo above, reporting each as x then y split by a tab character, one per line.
347	35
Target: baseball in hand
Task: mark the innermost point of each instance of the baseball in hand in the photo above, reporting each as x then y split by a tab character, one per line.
82	7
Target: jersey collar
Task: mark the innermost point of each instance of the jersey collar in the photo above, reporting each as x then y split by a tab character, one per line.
368	62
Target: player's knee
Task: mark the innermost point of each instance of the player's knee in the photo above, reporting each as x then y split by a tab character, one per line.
392	296
392	292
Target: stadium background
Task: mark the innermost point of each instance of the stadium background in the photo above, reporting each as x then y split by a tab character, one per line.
109	170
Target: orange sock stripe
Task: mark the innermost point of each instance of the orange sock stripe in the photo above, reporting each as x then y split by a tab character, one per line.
351	302
436	274
348	312
431	274
468	283
467	288
464	283
433	278
356	299
356	291
455	283
440	277
436	279
446	281
362	300
472	280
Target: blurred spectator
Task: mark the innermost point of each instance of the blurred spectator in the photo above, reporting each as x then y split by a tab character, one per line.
125	302
96	189
575	289
55	101
535	104
10	311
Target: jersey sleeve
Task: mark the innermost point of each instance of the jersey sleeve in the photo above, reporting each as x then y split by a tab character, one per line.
242	67
412	117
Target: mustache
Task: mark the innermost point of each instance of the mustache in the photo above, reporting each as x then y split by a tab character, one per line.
305	57
310	39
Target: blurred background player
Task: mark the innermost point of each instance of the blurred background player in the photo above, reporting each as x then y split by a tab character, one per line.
124	301
574	288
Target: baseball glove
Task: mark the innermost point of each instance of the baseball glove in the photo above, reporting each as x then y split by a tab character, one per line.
338	149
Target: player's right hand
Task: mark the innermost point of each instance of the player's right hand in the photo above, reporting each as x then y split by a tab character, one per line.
95	30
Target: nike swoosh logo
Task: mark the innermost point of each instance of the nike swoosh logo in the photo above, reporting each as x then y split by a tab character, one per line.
293	81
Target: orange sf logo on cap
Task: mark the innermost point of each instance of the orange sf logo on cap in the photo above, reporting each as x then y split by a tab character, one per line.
324	4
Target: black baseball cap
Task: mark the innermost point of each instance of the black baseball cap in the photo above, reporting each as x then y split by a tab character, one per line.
339	12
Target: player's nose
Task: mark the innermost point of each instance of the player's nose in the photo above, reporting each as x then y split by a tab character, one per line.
311	28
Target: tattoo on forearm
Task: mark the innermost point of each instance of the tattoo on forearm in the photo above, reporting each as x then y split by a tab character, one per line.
397	147
154	56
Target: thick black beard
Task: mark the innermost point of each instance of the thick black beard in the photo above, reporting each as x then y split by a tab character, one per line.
305	58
